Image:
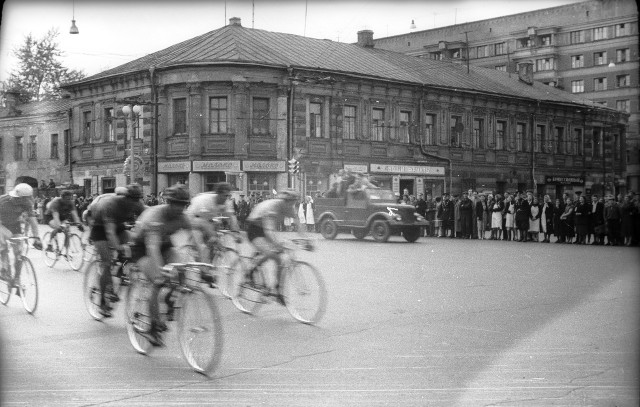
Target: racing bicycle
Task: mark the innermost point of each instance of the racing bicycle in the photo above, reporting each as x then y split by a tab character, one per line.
16	271
121	270
299	287
199	325
67	244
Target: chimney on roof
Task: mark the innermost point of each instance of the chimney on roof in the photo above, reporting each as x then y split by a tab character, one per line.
365	38
525	72
235	21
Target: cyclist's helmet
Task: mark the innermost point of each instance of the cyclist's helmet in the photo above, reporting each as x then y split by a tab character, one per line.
289	195
122	191
134	191
66	194
21	190
178	193
222	188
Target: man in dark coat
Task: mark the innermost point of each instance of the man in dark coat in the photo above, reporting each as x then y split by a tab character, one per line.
466	216
421	208
445	213
522	216
596	220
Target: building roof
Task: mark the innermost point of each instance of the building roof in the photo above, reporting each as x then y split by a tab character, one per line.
236	44
41	108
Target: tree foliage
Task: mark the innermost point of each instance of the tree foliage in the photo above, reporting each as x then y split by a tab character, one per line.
40	72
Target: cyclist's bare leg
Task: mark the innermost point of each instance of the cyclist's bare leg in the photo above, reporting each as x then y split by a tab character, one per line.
104	253
145	264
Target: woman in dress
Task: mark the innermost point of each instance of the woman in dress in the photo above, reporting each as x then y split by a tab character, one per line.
566	221
546	219
510	217
558	210
581	220
496	217
534	220
481	215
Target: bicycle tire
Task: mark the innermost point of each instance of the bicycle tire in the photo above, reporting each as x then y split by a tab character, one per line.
137	314
305	293
50	256
200	331
28	286
75	252
248	296
91	289
226	263
6	287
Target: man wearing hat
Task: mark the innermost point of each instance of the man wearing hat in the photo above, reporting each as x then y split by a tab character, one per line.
612	217
12	206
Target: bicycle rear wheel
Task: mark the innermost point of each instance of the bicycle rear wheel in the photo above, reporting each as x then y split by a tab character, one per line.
226	263
304	292
91	290
50	249
247	292
75	252
200	331
28	286
6	286
137	314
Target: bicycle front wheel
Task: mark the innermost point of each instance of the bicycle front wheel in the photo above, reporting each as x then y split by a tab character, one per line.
28	286
91	290
137	314
75	252
200	331
305	293
50	249
247	290
6	286
226	263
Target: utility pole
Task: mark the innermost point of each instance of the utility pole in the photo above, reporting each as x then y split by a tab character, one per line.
466	45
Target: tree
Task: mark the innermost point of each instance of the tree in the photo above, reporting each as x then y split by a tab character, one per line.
40	72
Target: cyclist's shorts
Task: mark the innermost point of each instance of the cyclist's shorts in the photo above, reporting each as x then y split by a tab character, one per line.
99	233
254	231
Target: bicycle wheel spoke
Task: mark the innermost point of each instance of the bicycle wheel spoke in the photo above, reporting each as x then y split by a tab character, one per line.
6	286
75	252
91	290
137	315
50	249
28	286
248	292
305	293
200	331
226	264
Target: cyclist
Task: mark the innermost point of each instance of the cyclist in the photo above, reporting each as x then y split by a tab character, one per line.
262	227
110	217
152	243
203	208
59	210
12	206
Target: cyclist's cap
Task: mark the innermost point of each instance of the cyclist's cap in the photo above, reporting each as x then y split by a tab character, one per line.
178	193
134	191
21	190
121	191
289	194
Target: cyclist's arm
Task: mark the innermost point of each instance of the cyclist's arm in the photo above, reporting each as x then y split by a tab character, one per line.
56	219
152	243
76	218
33	223
112	236
230	213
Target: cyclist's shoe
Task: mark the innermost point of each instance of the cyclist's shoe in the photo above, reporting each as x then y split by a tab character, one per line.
208	278
170	312
155	333
124	281
37	244
280	299
113	297
105	311
49	247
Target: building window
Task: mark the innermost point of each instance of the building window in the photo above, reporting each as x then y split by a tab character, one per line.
260	116
109	128
577	86
600	58
521	136
502	68
405	122
315	119
600	33
54	146
577	61
377	124
482	51
66	146
576	37
108	185
621	30
19	148
544	64
578	142
616	146
218	115
478	133
596	151
501	129
600	84
456	132
602	102
540	138
138	127
261	183
545	40
456	53
86	127
622	55
623	81
523	43
500	48
429	129
349	122
559	145
623	106
32	148
435	55
180	116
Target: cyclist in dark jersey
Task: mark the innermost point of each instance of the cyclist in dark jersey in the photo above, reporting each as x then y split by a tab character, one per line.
153	238
59	210
110	217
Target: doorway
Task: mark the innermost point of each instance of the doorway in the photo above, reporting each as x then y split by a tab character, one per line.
407	184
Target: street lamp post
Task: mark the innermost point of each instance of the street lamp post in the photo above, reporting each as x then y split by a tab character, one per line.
130	114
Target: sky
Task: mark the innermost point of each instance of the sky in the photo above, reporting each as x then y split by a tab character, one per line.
117	31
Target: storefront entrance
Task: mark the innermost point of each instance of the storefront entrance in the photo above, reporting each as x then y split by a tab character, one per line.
409	185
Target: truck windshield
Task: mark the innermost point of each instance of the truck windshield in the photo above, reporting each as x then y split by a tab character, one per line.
381	195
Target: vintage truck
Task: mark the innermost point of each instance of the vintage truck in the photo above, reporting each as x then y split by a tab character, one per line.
368	211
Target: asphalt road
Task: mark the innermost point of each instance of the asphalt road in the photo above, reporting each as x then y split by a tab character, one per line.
440	322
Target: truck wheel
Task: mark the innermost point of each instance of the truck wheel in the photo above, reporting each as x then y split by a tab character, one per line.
411	234
380	230
329	229
360	233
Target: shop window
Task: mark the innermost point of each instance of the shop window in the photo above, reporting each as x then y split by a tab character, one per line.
211	179
260	118
218	115
54	146
180	116
261	183
349	122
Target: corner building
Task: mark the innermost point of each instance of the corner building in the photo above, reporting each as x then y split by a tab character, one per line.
236	103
